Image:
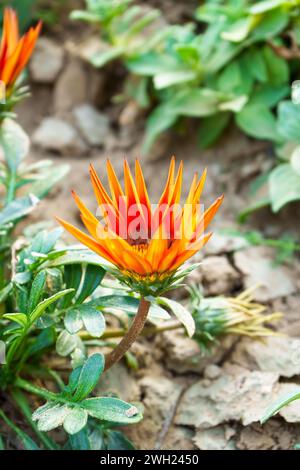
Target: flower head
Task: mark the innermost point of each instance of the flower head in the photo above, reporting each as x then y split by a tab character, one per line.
147	244
15	51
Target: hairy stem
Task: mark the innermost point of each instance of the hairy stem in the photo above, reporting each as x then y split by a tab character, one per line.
132	334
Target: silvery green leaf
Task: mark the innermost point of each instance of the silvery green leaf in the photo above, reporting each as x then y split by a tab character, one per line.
75	420
295	160
284	184
183	315
280	403
93	320
73	321
66	343
15	143
18	209
112	409
89	376
52	417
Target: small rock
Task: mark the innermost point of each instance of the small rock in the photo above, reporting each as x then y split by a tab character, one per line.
257	266
212	372
183	354
291	412
218	276
56	135
178	438
87	48
93	124
242	396
71	87
260	355
112	383
255	439
47	61
218	438
220	244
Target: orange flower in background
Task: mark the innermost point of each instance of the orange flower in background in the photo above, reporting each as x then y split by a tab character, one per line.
143	242
15	52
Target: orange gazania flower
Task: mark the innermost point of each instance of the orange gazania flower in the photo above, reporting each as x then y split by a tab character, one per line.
146	244
15	51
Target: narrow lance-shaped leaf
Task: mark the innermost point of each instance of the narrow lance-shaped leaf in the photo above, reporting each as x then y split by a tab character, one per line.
42	306
183	315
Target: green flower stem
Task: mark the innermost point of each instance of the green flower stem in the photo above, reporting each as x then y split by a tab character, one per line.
21	401
40	392
130	337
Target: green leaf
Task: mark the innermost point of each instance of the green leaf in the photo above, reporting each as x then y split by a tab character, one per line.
295	160
230	77
75	421
36	290
271	24
43	341
4	293
151	63
19	318
73	321
15	143
269	96
50	416
278	69
80	440
42	306
47	180
245	213
284	185
257	121
166	79
89	376
112	409
92	277
211	128
93	320
117	441
183	315
76	257
239	31
196	102
280	403
129	305
159	121
256	64
289	121
100	59
265	5
26	440
18	209
66	343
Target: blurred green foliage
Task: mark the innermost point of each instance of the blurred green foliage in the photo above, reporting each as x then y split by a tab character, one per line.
235	62
32	10
25	9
